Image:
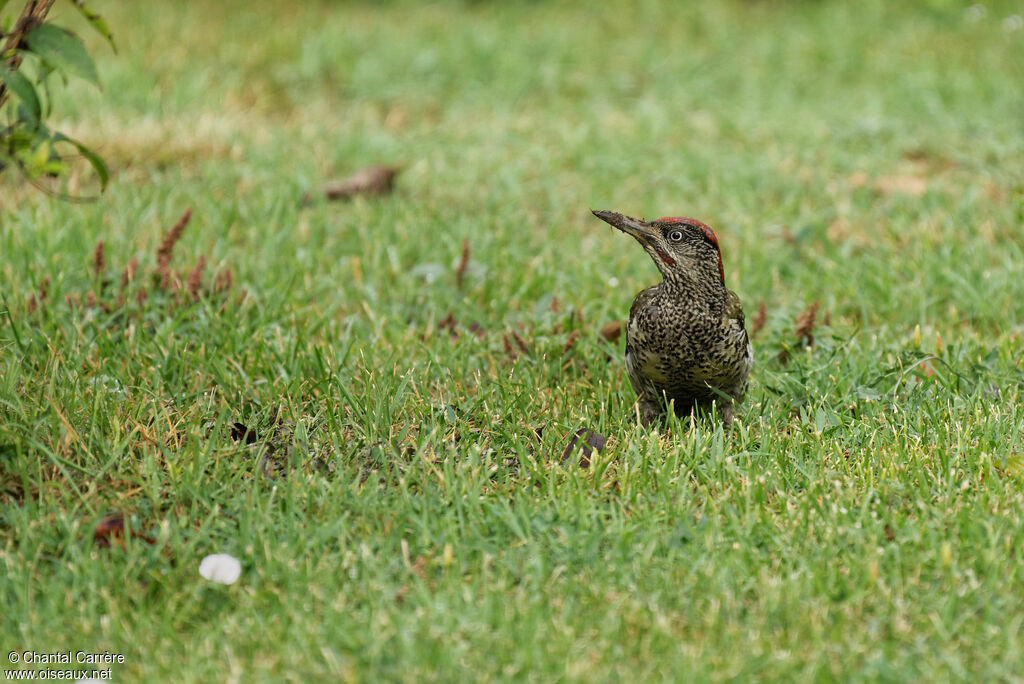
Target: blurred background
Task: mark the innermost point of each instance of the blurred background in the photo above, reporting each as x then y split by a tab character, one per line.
869	151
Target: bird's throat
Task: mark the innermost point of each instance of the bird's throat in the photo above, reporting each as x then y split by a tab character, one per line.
665	257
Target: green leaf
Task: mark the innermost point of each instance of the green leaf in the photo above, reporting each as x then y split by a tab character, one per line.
94	18
35	159
97	164
63	49
22	88
19	138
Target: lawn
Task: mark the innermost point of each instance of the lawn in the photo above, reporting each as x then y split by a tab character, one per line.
370	411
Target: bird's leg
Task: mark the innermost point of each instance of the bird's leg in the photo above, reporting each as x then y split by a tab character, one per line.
650	411
727	412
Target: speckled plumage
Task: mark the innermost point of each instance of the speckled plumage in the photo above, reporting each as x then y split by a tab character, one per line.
686	341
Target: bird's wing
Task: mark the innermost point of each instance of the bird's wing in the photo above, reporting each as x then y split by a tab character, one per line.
645	302
644	305
735	322
642	385
734	308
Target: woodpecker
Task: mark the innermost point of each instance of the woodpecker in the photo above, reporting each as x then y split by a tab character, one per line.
686	343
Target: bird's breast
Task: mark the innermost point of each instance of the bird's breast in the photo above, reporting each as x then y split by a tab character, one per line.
686	347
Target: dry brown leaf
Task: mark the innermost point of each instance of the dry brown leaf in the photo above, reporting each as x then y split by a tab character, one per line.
587	442
240	432
373	180
612	330
110	530
448	323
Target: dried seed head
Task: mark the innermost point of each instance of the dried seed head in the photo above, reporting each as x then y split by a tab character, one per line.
224	280
520	342
170	281
99	260
460	272
760	318
195	278
165	252
571	341
129	272
805	323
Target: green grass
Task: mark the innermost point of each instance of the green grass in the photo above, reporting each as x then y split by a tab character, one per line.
398	516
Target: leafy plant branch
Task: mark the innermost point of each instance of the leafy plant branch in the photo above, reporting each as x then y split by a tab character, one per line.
26	143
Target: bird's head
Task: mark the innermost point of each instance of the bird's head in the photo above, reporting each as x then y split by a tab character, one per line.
679	246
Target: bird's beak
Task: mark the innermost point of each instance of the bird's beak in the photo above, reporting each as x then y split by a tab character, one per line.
631	226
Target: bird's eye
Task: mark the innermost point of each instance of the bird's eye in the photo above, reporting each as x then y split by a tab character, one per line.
675	235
